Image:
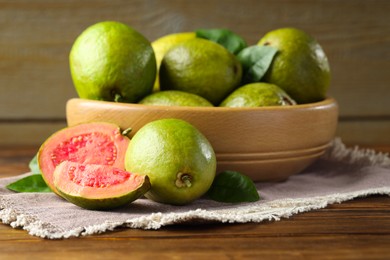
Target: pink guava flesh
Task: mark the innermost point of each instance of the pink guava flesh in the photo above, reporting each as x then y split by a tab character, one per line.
100	187
96	176
79	148
89	143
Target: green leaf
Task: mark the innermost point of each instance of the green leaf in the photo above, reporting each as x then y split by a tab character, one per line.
233	187
32	183
255	62
33	165
231	41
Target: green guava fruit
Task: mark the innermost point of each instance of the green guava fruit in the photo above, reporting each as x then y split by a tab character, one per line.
201	67
176	156
113	62
89	143
163	44
300	66
175	98
98	187
258	94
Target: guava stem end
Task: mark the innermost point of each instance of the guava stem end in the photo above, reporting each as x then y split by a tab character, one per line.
183	180
117	97
186	179
126	131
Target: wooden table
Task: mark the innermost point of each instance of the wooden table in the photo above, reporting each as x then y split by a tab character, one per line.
358	229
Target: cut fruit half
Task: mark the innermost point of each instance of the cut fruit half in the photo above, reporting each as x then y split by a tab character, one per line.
98	187
89	143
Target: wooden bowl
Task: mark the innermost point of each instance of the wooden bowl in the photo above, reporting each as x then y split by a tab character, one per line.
265	143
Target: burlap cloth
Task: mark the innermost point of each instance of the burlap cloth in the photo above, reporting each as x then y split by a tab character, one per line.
341	174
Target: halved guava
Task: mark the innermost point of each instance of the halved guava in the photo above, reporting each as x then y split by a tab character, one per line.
89	143
98	187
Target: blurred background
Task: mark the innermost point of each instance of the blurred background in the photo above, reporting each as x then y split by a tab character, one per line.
36	37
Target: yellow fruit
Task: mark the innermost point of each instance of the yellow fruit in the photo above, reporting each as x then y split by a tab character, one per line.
111	61
200	67
300	67
163	44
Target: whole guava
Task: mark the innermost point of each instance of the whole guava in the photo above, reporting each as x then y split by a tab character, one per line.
258	94
175	98
300	67
176	156
201	67
113	62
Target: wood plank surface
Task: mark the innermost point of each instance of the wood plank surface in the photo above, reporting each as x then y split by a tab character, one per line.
36	37
357	229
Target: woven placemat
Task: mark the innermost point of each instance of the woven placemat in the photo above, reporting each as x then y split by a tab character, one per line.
341	174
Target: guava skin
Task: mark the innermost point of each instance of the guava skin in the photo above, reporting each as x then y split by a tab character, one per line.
175	98
201	67
111	61
178	159
258	94
300	67
109	202
163	44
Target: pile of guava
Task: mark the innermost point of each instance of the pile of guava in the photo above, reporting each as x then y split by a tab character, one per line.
111	61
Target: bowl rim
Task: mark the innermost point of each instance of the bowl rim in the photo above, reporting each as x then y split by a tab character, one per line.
328	101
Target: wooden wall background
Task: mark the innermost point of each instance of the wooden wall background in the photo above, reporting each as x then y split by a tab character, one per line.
36	36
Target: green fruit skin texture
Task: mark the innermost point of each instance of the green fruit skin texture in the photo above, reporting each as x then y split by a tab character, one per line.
175	98
200	67
258	95
300	67
110	58
165	148
109	202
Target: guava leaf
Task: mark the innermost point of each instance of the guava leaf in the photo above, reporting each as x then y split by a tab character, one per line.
233	187
33	165
255	61
32	183
231	41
